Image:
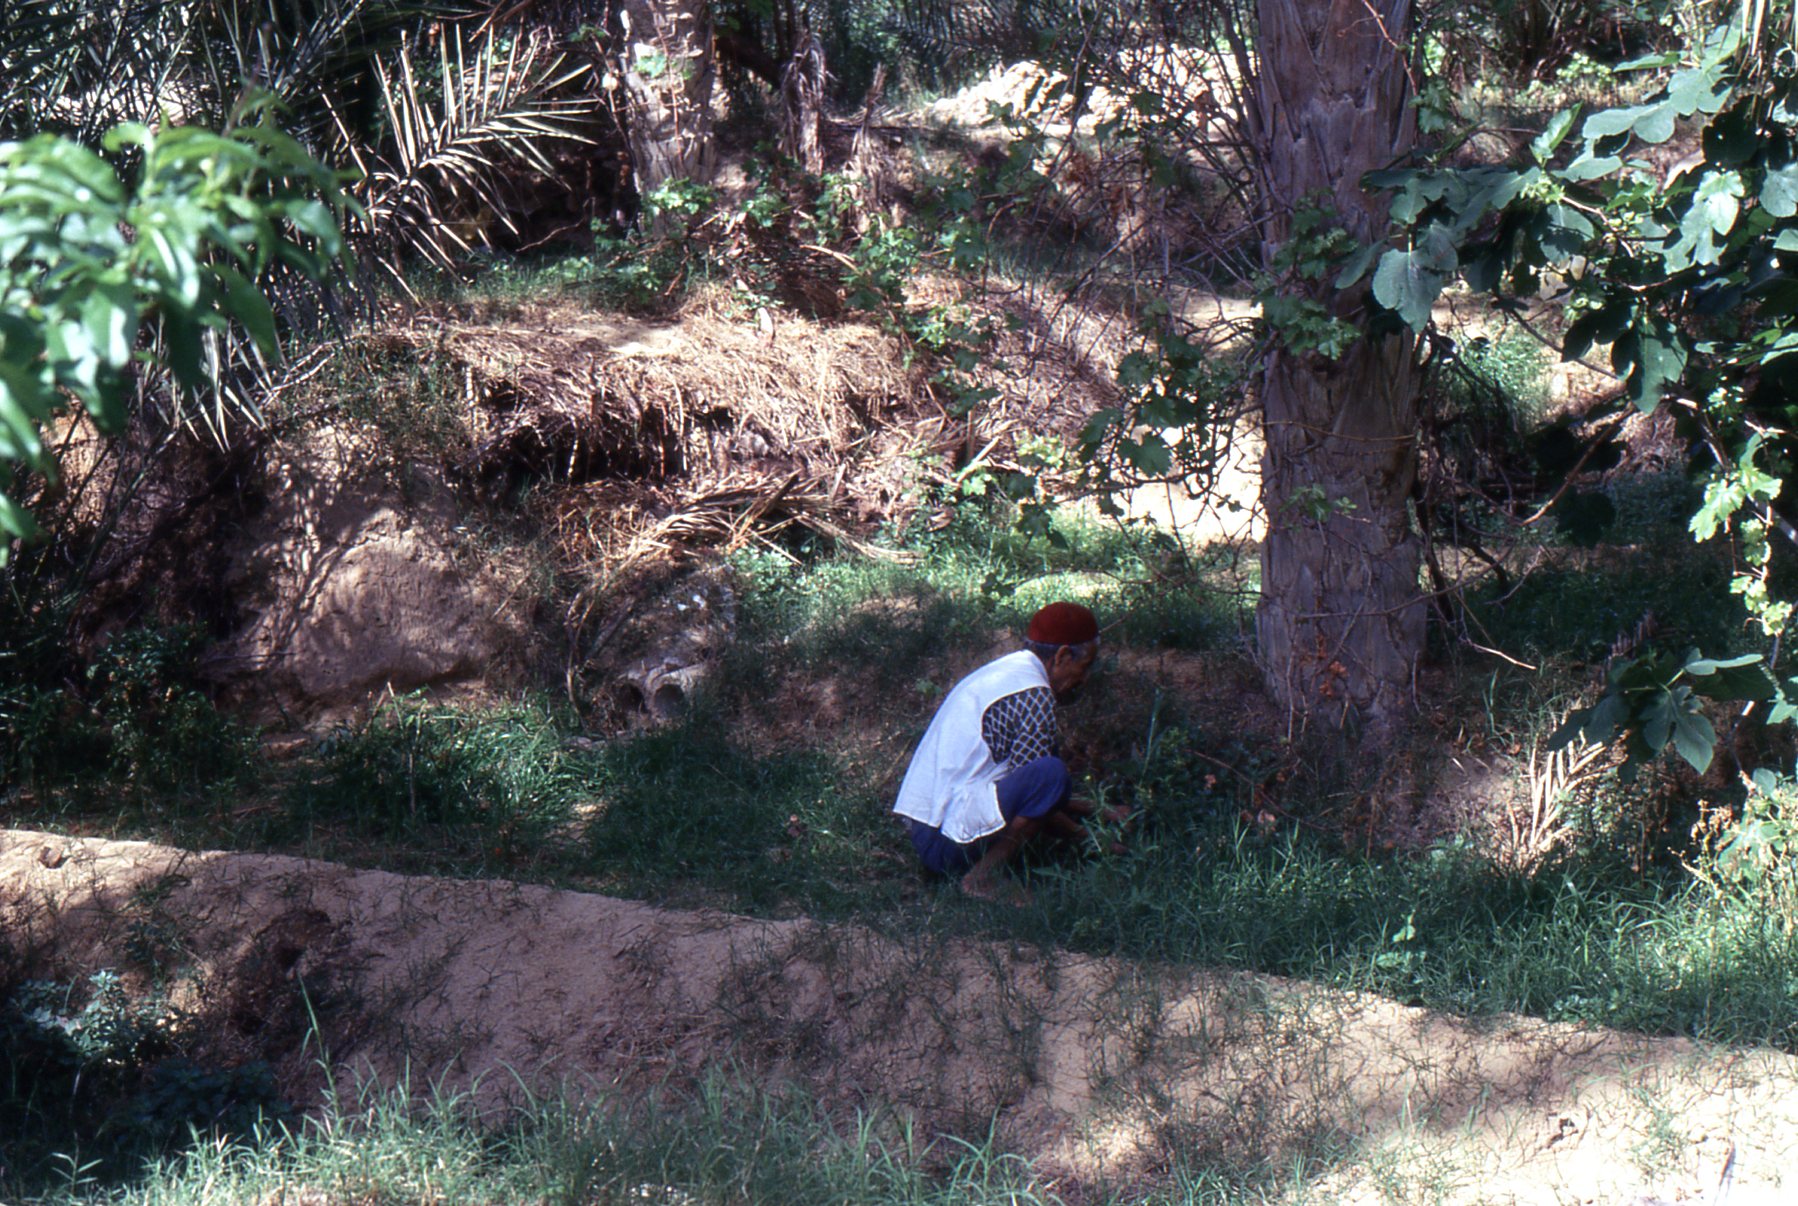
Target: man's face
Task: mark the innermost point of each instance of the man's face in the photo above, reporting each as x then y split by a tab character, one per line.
1067	673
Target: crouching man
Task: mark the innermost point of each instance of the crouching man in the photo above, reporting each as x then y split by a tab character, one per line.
988	776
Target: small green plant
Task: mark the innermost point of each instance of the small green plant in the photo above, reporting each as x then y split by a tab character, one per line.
1752	857
91	1074
139	719
1511	370
107	1030
1652	700
412	765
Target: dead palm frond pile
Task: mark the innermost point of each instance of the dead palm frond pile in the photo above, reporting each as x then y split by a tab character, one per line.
710	431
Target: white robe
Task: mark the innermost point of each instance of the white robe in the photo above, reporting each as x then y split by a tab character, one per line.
950	784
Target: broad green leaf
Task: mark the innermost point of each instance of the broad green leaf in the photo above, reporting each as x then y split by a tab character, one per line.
1787	241
1605	718
1566	234
110	316
1590	167
1695	90
1717	200
1784	345
1150	456
1356	265
1574	726
19	439
1693	736
1704	666
1779	192
1648	62
1656	125
175	263
1735	678
1410	281
1651	362
1660	714
1607	122
1388	178
1602	325
251	308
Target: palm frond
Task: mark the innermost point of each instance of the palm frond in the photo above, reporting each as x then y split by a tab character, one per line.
489	110
79	67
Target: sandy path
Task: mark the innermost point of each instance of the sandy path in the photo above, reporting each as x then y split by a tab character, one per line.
1089	1064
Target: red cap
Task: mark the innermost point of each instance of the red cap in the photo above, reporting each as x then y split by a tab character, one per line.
1062	624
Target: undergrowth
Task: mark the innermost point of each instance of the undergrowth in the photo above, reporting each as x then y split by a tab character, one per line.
732	1141
750	801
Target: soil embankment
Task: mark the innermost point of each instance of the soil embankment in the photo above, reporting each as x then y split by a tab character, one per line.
1090	1065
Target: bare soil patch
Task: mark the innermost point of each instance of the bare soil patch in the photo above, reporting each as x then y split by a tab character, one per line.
1092	1066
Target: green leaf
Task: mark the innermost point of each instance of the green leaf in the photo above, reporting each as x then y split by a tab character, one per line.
1736	678
1705	666
1608	122
1717	200
1574	726
1779	193
1605	717
1389	178
1660	714
1649	62
1151	456
1590	167
1651	362
1356	265
1410	281
1602	325
251	308
1544	144
19	440
1567	233
1656	125
110	316
1694	737
1695	90
16	521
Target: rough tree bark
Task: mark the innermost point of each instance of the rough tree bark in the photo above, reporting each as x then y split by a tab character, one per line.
1341	617
666	66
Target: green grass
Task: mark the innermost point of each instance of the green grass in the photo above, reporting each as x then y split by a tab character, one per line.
732	1142
709	811
705	811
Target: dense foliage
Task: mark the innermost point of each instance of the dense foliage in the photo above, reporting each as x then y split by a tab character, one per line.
101	275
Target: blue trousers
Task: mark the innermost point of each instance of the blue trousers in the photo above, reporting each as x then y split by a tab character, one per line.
1034	789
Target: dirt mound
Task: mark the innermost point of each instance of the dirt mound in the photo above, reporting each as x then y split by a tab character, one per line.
1088	1064
352	585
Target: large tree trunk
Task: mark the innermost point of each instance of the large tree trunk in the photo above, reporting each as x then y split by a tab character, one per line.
1341	617
666	65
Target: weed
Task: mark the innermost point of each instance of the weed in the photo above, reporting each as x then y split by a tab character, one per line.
139	718
91	1084
413	767
1510	373
410	401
